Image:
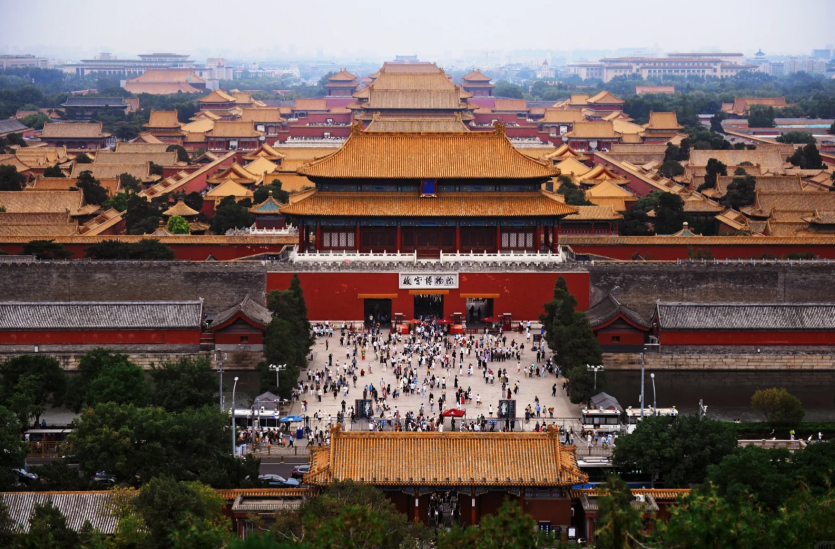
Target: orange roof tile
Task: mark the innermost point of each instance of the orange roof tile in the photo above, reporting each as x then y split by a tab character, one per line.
476	76
605	98
304	104
229	188
663	121
445	459
233	128
417	124
263	115
160	88
420	156
562	116
515	105
167	75
404	204
217	96
592	130
163	119
73	130
594	213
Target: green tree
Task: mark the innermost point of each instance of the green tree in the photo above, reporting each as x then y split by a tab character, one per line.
48	529
797	137
167	513
10	180
185	383
741	191
670	169
669	214
767	475
130	183
678	448
761	116
149	249
155	169
263	192
35	121
182	154
121	382
53	171
94	193
90	366
194	200
574	196
128	441
8	527
510	528
141	216
42	378
83	159
780	408
24	400
45	249
506	89
713	169
59	476
13	455
807	158
178	225
230	214
618	519
716	122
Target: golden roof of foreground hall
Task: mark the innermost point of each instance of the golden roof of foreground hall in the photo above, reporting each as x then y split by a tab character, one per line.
445	459
562	116
74	130
181	209
163	119
592	130
416	124
71	202
454	204
594	213
159	158
139	147
111	184
233	128
766	157
40	157
604	98
217	96
662	121
37	224
141	171
400	155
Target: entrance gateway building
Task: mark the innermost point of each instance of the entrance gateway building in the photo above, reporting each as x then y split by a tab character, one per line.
428	223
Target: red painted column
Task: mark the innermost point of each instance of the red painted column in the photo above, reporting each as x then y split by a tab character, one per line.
474	517
538	238
301	236
457	238
318	237
357	238
498	238
399	238
556	243
417	508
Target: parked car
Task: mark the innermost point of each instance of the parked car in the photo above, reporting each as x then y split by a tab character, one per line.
277	481
299	471
102	478
25	477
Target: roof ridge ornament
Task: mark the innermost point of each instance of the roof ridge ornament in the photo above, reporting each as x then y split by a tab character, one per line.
356	128
500	128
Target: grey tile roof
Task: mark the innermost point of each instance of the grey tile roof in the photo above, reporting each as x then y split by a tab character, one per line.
746	316
95	102
100	314
11	125
608	308
77	507
250	308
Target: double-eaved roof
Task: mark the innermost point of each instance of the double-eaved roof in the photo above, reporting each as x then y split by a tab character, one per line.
505	460
395	155
745	316
108	315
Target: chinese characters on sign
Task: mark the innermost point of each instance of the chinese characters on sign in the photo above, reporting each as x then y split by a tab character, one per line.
428	281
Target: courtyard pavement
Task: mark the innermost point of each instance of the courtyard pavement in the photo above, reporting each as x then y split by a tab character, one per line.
529	388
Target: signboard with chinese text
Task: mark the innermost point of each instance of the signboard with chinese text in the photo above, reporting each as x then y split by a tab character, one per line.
428	281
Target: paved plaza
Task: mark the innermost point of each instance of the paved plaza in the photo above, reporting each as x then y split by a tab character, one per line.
529	387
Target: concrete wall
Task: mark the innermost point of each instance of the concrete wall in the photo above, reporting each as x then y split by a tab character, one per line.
725	361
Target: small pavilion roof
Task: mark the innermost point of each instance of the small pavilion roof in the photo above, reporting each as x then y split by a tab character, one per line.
562	116
217	96
476	76
181	209
270	206
233	128
229	188
609	308
163	119
234	172
605	98
266	151
592	130
261	167
248	307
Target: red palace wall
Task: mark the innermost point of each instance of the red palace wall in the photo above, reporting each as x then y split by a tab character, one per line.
667	252
746	338
335	295
626	338
182	252
76	337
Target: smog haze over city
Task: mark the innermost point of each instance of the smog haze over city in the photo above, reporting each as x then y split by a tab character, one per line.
433	29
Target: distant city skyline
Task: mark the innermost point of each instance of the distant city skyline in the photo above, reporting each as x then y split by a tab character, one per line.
325	30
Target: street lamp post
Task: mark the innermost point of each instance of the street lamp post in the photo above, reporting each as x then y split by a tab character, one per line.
220	375
642	385
595	369
277	369
654	402
233	416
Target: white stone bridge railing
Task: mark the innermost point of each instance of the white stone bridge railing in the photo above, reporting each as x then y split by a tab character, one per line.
398	257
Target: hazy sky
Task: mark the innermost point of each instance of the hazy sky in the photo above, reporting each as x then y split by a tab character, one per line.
432	29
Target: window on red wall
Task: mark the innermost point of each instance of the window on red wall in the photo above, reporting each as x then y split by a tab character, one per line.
338	239
517	239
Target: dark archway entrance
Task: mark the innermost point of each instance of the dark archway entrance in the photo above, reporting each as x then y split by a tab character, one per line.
379	309
429	306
